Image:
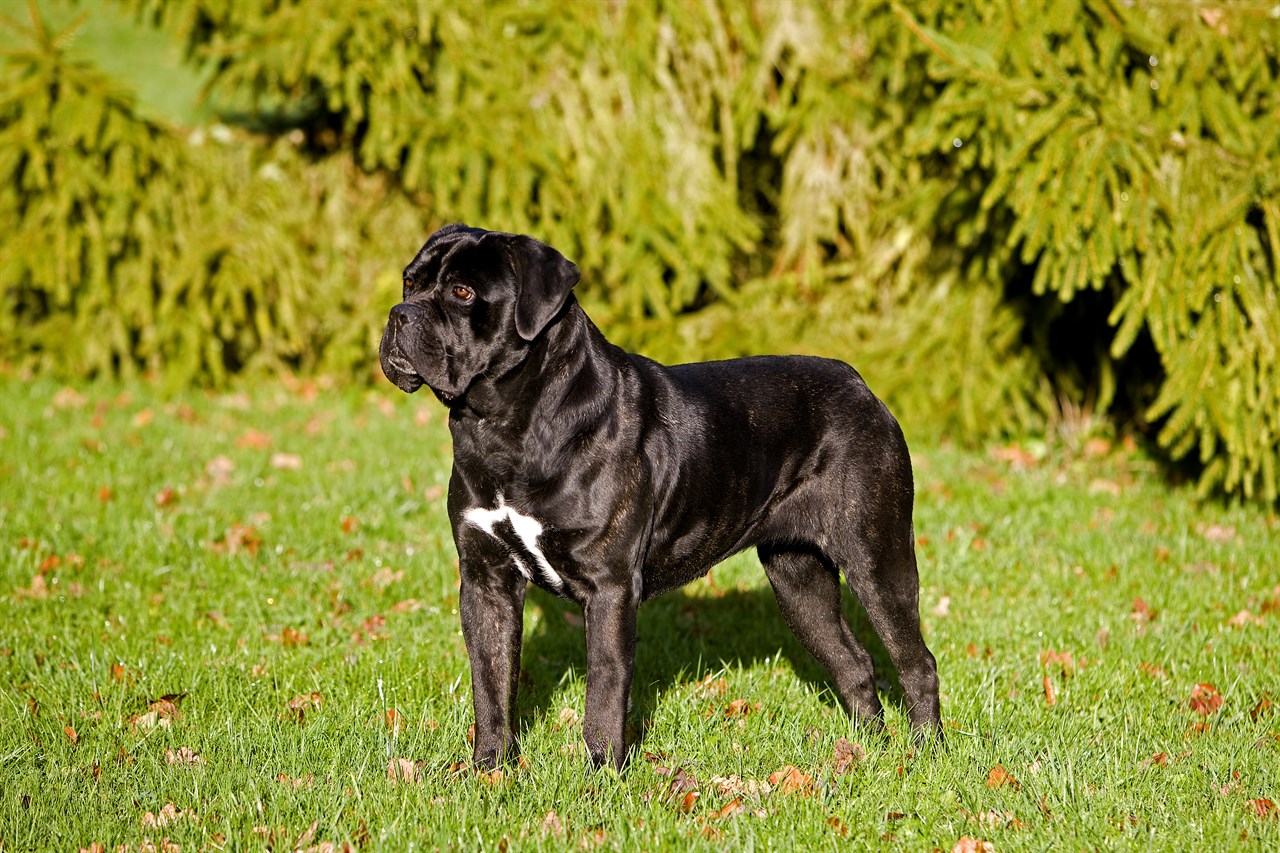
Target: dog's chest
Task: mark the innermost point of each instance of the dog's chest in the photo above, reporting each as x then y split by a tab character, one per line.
519	534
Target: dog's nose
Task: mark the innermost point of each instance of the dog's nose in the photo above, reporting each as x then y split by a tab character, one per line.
403	313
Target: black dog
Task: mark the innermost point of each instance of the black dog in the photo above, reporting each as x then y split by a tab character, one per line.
608	479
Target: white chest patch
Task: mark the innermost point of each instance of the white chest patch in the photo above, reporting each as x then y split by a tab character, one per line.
519	532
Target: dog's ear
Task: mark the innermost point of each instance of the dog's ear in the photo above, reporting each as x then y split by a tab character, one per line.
545	277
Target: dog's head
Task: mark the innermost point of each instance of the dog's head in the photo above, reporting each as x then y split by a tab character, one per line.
474	301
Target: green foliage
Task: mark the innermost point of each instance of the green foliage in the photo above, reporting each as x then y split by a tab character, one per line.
72	154
138	250
992	209
547	118
1134	151
723	176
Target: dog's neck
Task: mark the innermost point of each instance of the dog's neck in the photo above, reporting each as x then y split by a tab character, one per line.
557	382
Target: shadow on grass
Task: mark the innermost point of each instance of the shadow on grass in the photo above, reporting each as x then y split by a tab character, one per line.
682	639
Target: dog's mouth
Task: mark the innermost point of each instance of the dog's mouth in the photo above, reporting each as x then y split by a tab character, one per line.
444	396
401	372
406	376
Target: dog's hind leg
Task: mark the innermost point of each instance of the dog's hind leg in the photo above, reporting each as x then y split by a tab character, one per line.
807	587
882	573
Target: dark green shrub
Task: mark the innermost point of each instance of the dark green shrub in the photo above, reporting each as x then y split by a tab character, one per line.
191	256
995	210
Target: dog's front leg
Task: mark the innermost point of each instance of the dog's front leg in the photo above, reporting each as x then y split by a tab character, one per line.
611	650
491	605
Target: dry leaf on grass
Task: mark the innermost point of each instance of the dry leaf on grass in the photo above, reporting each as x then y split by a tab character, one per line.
159	713
790	780
286	461
404	770
298	707
1205	699
846	755
729	809
169	813
394	721
1001	778
1262	807
252	439
183	755
1219	533
682	791
551	825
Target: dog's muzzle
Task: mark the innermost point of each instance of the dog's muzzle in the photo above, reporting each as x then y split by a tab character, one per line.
395	362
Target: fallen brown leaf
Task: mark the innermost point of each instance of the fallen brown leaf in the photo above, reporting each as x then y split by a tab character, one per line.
973	845
1001	778
158	713
394	721
1154	670
790	780
169	813
682	784
1243	619
299	705
409	605
286	461
183	755
1064	660
292	638
1160	759
1142	612
1050	697
1219	533
1262	807
712	686
306	836
238	538
252	439
551	825
1014	455
846	755
1205	699
730	809
403	770
219	470
307	780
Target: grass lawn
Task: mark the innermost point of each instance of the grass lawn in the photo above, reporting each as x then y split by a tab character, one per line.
225	618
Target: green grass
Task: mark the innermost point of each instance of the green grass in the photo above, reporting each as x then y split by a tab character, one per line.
111	598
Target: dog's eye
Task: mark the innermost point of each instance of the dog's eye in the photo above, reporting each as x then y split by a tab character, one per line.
462	294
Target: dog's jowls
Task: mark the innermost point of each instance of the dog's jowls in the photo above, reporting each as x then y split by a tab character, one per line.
608	479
